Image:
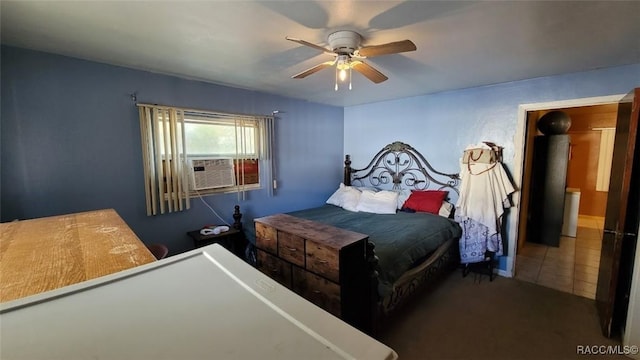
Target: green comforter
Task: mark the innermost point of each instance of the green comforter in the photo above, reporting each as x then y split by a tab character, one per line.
400	239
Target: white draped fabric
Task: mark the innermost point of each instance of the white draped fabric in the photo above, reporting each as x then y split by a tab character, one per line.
484	194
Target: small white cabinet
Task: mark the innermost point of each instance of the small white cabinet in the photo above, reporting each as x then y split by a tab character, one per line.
571	207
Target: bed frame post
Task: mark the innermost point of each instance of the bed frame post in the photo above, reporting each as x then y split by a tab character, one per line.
237	218
243	248
347	170
372	264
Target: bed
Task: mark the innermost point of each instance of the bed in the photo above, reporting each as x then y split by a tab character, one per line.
405	251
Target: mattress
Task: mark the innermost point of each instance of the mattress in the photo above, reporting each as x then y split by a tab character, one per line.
203	304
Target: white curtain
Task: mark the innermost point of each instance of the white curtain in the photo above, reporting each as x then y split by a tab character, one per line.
605	157
164	159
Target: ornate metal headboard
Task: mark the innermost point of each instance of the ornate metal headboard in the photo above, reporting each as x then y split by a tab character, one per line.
399	164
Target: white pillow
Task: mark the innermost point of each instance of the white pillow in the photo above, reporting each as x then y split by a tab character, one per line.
381	202
337	197
346	197
445	209
350	199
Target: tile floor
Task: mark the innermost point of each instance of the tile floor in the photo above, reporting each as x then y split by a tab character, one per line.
572	267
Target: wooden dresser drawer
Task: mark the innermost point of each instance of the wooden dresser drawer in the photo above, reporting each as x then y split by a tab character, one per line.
291	248
318	290
322	263
323	260
273	267
266	238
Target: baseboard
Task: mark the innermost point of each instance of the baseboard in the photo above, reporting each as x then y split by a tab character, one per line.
503	273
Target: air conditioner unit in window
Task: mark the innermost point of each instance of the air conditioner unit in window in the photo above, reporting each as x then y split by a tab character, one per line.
209	173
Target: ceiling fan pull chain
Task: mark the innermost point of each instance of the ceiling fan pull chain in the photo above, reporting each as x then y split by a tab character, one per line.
350	77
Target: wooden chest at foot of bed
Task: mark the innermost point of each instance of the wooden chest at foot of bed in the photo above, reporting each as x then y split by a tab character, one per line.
324	264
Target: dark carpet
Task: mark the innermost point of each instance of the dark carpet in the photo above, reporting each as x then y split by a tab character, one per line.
472	318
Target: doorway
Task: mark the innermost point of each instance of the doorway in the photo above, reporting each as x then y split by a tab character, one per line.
572	266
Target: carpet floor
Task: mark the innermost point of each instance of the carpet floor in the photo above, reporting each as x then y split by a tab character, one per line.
472	318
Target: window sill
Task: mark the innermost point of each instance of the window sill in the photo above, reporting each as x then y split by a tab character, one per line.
205	192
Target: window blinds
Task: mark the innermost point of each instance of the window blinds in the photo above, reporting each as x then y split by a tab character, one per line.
267	149
164	158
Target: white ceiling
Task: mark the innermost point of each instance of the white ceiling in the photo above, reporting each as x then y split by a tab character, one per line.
242	43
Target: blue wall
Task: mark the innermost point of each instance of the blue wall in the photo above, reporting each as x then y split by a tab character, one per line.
70	142
442	125
70	138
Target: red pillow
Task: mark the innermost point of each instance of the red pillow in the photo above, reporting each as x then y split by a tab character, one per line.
426	201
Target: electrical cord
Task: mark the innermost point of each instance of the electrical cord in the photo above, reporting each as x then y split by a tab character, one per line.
210	208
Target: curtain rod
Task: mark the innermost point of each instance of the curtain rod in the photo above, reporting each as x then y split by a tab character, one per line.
208	111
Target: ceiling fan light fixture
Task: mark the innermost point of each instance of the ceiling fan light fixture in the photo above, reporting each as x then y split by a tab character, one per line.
343	63
342	74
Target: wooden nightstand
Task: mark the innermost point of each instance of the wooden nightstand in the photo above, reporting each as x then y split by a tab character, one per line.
233	240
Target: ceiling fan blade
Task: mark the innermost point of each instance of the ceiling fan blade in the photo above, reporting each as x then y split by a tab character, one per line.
368	71
313	70
385	49
306	43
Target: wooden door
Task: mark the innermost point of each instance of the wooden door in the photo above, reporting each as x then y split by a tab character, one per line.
621	219
525	190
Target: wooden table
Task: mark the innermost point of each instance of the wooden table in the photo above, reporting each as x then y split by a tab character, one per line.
48	253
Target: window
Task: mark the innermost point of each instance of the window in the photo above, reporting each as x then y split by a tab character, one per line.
190	153
237	139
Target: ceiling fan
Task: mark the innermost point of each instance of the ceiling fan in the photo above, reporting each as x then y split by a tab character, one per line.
345	46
